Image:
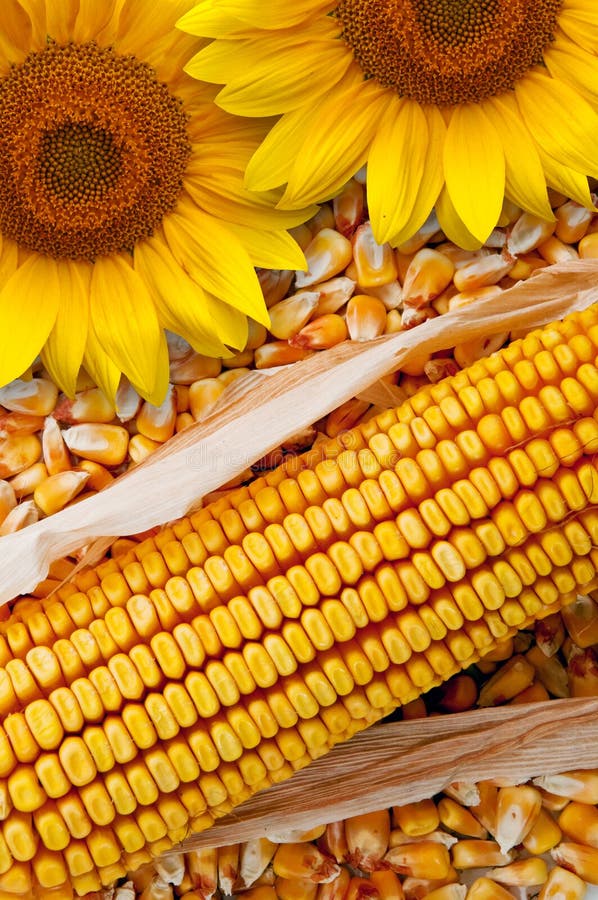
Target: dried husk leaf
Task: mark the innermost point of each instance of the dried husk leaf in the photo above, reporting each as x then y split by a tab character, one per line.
264	409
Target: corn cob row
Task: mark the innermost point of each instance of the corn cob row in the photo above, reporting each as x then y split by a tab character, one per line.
55	451
243	642
475	842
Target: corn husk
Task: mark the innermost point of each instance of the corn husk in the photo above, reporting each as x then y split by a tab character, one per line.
259	412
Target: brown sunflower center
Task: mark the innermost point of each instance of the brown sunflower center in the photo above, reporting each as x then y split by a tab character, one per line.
93	150
447	51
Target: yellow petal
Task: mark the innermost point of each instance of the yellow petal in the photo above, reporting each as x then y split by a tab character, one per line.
15	34
270	249
278	78
28	308
99	366
569	182
218	62
524	177
579	21
125	320
452	224
9	259
474	169
568	62
335	139
274	13
94	18
63	352
60	18
432	180
396	166
179	301
222	193
270	165
560	120
231	324
162	368
207	20
36	13
215	258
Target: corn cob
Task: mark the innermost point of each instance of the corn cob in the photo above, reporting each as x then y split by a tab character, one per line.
179	677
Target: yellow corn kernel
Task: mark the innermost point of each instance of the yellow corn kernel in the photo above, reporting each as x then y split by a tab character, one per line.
18	452
544	834
516	812
387	885
254	857
424	859
322	332
416	819
158	422
428	274
104	444
367	837
365	318
562	885
521	873
327	254
580	785
475	854
513	677
579	858
303	860
459	819
486	889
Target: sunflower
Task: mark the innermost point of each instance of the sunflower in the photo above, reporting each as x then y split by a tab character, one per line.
122	205
454	105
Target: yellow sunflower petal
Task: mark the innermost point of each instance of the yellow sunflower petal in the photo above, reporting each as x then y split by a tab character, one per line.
274	13
231	324
37	18
221	192
93	19
60	18
277	78
125	320
28	308
568	62
270	249
561	122
524	177
201	244
180	302
15	34
63	351
336	137
270	165
162	371
217	62
474	169
432	181
99	366
396	166
9	259
208	19
579	21
452	224
569	182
